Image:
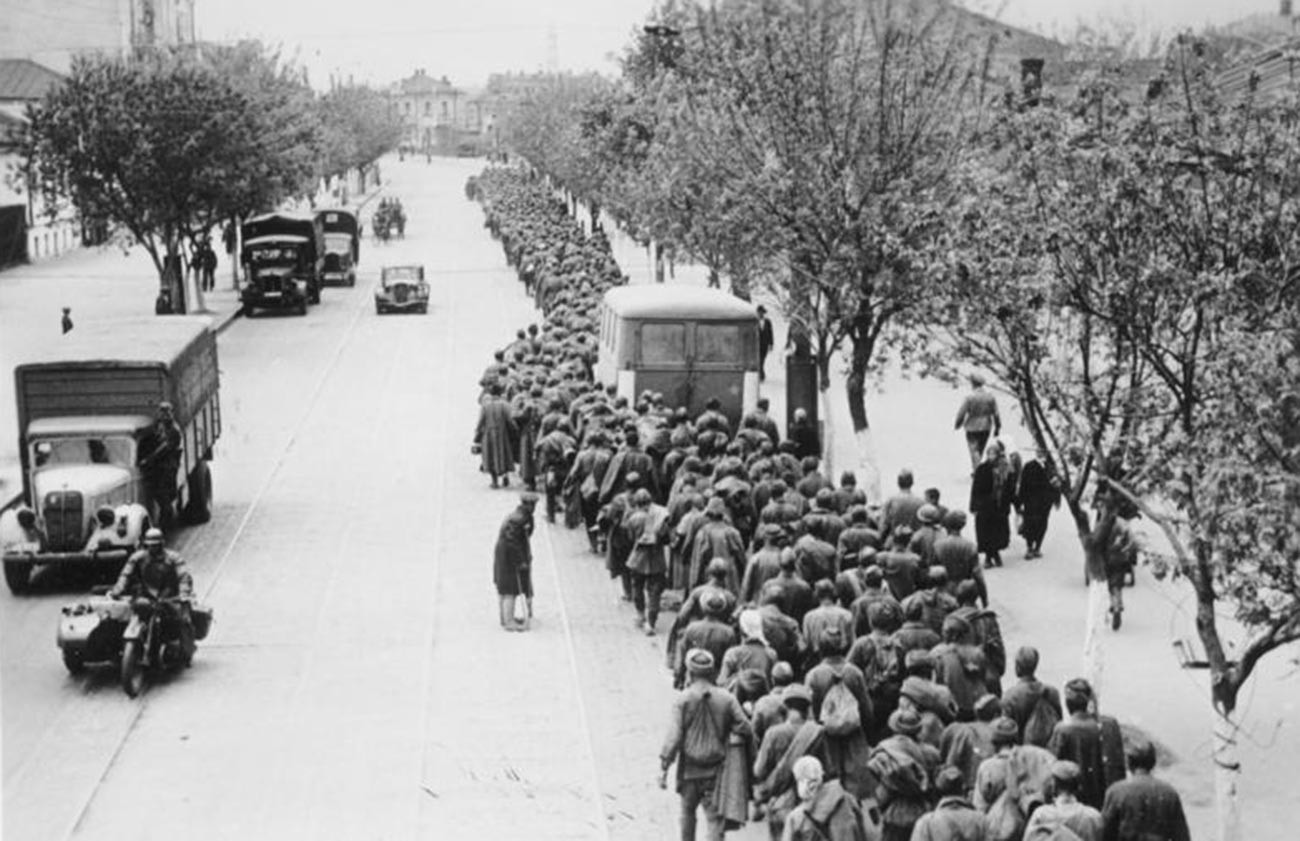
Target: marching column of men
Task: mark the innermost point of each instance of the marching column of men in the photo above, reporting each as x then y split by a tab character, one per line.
841	674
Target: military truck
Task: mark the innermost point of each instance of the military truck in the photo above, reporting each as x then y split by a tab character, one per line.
283	260
86	409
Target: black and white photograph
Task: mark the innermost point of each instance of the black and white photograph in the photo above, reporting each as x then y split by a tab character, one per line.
641	420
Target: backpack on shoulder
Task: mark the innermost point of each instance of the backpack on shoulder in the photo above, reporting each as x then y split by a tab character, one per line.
702	742
1043	718
840	715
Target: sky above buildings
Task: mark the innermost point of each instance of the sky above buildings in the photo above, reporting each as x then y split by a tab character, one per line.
379	41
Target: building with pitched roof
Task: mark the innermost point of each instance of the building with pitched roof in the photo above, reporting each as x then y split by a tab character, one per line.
27	231
430	110
51	32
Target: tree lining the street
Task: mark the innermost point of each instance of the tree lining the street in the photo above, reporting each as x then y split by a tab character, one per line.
1126	267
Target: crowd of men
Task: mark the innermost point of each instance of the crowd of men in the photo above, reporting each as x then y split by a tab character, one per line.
841	674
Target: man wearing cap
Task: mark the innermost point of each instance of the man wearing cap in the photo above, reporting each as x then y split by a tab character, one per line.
512	563
766	338
1090	741
960	666
905	769
160	575
1028	765
915	634
858	534
629	459
878	657
869	583
783	744
618	543
803	435
922	542
647	528
769	710
161	448
781	631
978	415
795	595
827	614
933	597
704	719
986	633
712	633
1065	810
954	818
1142	807
902	569
717	538
1034	706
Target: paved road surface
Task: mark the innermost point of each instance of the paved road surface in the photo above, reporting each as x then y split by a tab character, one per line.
356	686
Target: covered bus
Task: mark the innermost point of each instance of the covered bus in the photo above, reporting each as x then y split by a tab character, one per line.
689	343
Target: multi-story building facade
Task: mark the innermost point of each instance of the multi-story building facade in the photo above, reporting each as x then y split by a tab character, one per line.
431	112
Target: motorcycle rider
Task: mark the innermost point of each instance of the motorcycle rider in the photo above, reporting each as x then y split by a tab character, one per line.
160	575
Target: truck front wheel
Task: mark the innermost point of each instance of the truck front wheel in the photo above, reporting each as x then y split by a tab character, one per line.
18	575
198	508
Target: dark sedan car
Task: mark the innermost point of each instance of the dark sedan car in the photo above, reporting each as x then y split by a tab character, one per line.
402	289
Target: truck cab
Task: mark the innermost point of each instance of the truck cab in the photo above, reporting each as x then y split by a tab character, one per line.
283	260
86	415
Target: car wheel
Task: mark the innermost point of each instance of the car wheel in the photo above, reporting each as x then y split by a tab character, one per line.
198	508
18	575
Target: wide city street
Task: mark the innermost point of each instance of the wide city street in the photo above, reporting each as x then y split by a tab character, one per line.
356	684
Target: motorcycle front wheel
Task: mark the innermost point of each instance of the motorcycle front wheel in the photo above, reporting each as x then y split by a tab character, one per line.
133	668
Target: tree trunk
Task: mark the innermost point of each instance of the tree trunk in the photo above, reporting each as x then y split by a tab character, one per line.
863	346
1094	541
1227	769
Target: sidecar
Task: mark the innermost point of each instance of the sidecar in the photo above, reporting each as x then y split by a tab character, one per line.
90	631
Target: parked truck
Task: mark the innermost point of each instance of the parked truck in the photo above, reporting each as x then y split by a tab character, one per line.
86	410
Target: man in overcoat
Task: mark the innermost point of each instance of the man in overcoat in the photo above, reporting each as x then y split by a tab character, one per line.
512	563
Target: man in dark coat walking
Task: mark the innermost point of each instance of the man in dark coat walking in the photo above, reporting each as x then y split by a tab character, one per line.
978	416
1142	807
765	340
1090	741
512	563
495	437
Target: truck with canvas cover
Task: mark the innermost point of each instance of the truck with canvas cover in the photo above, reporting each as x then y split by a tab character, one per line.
342	246
282	258
86	412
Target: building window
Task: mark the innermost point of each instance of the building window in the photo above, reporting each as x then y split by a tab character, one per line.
407	107
444	108
428	108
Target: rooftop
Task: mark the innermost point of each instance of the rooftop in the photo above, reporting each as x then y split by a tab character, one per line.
23	79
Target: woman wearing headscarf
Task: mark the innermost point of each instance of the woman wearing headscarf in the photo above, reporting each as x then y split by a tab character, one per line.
991	493
753	652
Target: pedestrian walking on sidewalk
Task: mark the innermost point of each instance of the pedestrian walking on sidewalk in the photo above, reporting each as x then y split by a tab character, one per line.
67	320
512	563
704	718
978	415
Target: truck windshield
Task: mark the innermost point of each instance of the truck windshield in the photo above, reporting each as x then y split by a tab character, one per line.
338	243
114	449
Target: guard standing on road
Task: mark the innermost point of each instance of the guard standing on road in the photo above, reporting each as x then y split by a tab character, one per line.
512	563
162	446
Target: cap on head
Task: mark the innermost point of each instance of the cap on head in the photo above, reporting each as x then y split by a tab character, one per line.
782	674
641	498
797	695
950	782
1065	771
699	662
905	722
928	514
153	537
1006	731
954	520
528	498
164	406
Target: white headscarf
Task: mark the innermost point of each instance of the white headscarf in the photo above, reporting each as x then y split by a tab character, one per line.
751	625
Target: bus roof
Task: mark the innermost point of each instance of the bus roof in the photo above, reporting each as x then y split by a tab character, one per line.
659	300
